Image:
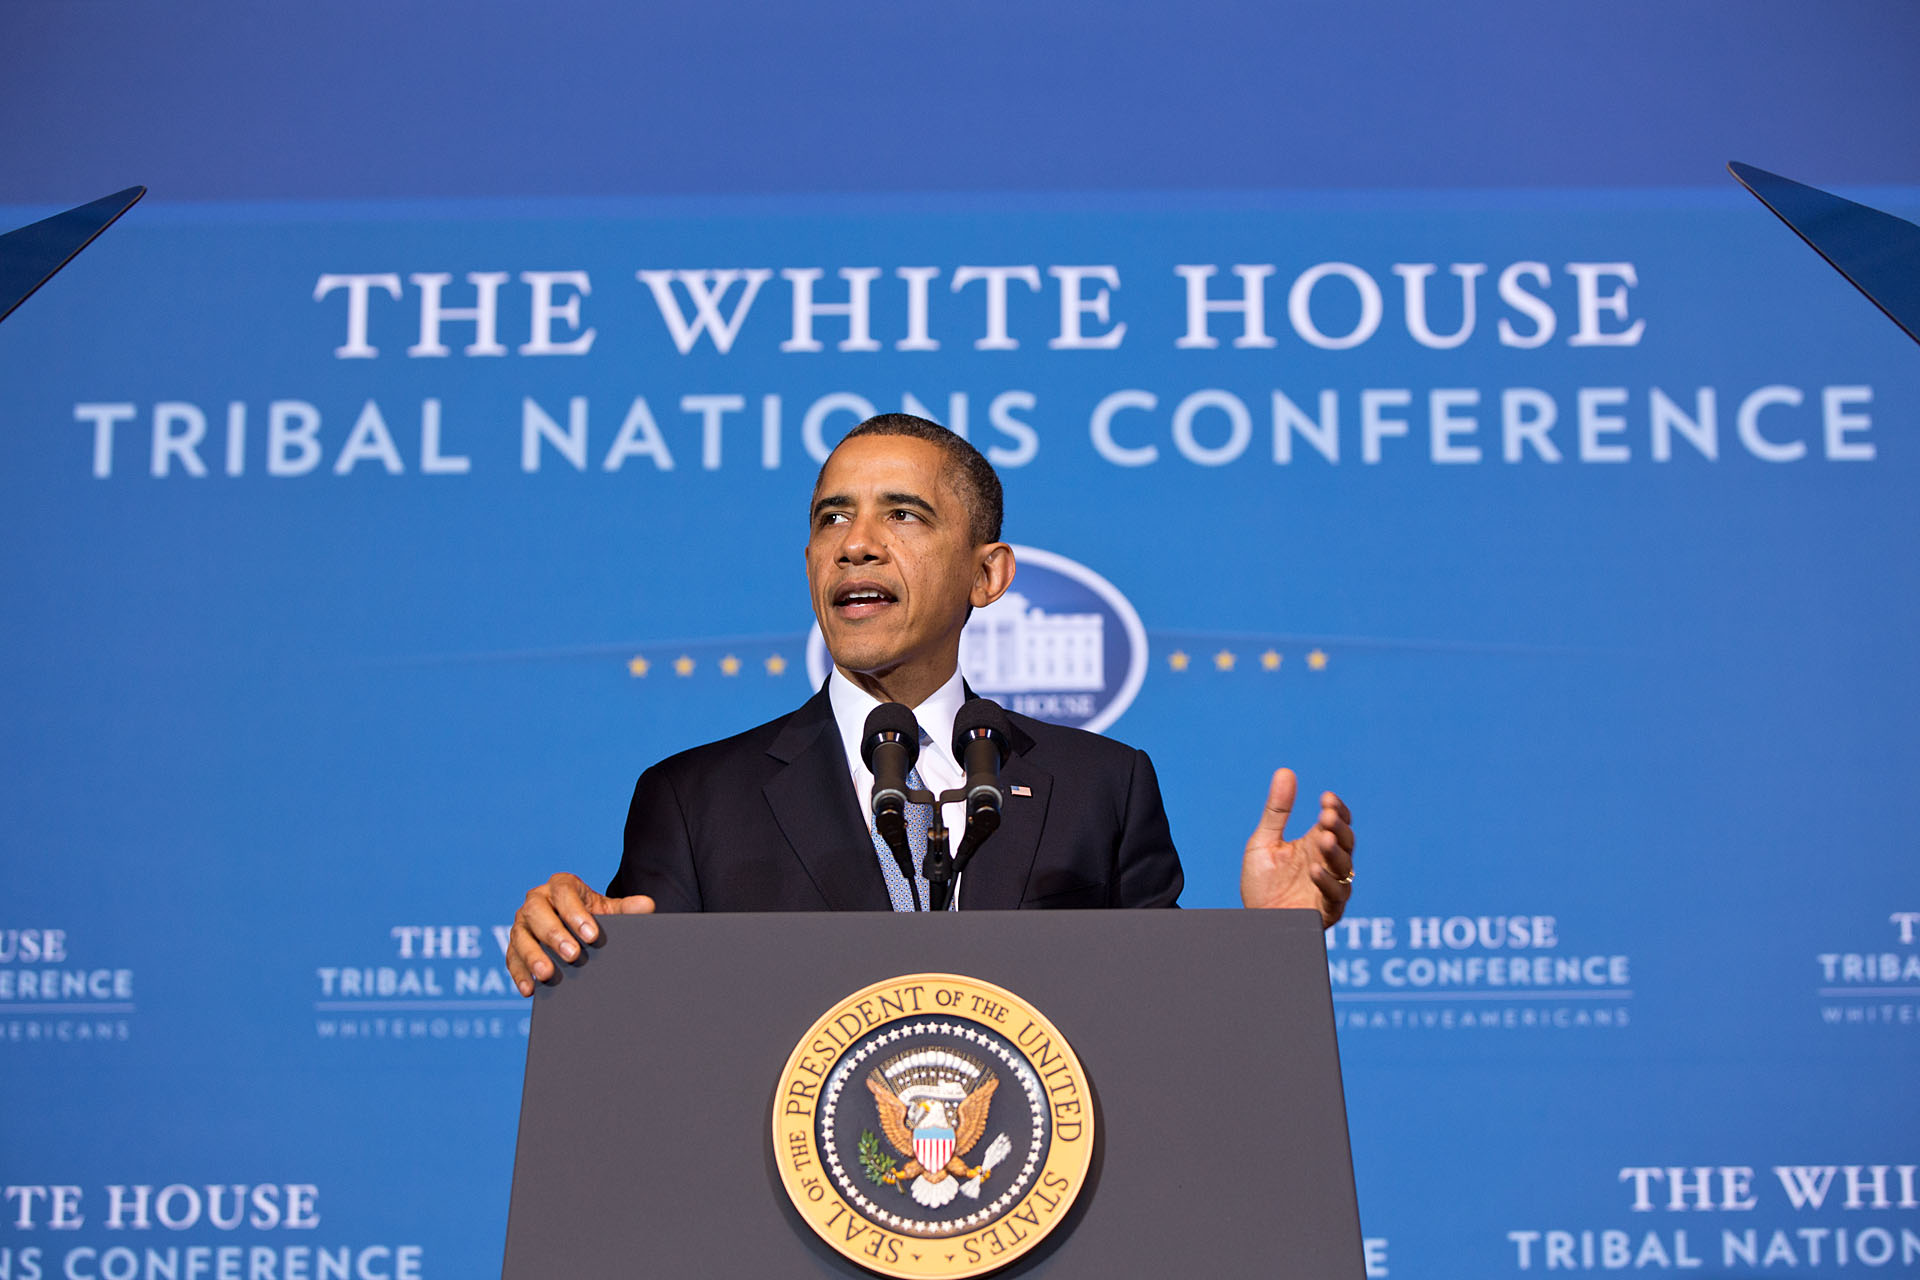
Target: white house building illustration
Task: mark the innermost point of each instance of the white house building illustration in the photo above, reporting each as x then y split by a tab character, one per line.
1012	646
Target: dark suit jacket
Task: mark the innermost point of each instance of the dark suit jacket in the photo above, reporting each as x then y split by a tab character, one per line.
767	821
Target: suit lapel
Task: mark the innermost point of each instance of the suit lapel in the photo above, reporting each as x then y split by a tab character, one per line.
812	800
996	879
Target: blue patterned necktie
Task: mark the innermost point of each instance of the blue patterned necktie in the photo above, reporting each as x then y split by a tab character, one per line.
919	819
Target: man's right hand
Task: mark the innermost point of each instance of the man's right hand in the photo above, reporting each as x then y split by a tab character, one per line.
560	914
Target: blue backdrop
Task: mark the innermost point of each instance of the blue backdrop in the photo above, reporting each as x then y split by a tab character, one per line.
381	496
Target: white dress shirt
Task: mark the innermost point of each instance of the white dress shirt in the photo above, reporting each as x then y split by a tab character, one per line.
938	769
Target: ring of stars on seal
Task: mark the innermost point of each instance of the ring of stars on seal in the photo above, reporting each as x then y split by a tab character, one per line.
1016	1064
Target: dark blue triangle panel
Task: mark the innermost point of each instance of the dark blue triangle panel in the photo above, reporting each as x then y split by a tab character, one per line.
30	256
1878	252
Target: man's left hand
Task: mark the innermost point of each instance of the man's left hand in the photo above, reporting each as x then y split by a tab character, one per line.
1314	871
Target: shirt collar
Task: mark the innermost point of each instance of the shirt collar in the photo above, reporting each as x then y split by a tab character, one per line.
852	705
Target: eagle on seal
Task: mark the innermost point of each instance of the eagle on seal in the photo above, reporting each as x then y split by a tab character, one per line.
933	1132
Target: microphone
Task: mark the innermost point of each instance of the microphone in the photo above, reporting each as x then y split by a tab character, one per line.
890	745
981	737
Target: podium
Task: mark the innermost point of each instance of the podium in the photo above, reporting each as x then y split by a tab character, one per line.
1205	1038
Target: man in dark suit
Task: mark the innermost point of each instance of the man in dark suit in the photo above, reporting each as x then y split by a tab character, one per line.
1087	830
903	545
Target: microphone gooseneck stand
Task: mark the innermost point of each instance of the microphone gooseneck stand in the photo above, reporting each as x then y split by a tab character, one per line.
890	745
980	740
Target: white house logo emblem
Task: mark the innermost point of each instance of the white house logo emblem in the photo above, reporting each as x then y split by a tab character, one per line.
1063	645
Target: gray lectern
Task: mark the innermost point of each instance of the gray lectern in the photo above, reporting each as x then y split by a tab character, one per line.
1206	1039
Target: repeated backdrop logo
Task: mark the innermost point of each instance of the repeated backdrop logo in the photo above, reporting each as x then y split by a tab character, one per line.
1739	1219
1877	983
1434	973
57	987
423	982
185	1231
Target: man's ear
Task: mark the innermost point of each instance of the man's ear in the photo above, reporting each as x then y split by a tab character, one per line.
993	575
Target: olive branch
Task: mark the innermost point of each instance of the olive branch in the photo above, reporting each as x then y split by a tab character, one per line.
878	1164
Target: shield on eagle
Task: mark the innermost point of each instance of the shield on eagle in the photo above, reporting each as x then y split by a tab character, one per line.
933	1145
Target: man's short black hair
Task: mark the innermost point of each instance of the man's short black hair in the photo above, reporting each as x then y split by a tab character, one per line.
977	479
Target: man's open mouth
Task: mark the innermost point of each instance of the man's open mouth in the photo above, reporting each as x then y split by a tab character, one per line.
859	599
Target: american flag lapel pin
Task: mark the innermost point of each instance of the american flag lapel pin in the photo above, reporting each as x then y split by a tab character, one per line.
1020	790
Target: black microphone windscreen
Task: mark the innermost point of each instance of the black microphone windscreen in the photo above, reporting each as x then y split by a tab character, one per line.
981	713
895	718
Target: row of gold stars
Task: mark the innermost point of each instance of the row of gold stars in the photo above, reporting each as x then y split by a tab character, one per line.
1226	659
638	665
1179	660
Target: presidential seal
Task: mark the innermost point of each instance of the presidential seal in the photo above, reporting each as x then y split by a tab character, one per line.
932	1125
